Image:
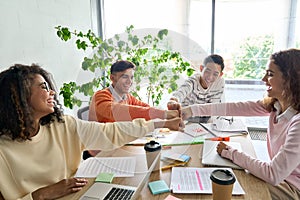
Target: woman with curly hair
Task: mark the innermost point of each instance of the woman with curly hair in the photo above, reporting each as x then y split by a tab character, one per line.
40	148
282	104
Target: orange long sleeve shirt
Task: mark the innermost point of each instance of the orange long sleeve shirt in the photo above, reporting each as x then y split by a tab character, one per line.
104	108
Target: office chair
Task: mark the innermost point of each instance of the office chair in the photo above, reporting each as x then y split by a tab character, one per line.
83	113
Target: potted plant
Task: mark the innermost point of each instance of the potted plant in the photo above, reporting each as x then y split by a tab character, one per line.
158	67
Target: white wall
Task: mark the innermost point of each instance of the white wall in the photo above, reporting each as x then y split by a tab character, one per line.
27	35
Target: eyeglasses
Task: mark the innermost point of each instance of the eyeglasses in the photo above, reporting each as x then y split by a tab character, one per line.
45	86
230	120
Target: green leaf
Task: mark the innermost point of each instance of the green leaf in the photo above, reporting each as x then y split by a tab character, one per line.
162	33
190	71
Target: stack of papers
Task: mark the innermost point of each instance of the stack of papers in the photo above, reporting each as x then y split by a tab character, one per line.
174	159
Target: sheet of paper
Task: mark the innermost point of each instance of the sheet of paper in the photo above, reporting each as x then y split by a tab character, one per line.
196	180
194	130
119	166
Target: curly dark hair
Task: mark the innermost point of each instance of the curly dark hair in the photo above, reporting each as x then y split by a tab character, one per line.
288	62
16	119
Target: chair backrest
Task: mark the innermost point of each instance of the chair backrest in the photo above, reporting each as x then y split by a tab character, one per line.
92	112
83	113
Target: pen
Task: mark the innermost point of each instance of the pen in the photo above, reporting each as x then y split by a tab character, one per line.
219	139
205	128
174	165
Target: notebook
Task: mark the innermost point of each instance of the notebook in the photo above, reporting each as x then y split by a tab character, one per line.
229	124
99	190
212	158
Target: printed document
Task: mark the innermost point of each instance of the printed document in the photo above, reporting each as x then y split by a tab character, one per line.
197	180
119	166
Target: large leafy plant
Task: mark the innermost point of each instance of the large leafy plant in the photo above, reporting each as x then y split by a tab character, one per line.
158	67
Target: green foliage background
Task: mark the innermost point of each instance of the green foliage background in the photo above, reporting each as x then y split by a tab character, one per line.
251	58
157	66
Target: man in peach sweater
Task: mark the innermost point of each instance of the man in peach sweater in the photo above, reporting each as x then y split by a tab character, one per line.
115	103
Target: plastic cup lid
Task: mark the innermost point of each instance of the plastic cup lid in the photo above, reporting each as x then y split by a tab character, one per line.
152	146
222	177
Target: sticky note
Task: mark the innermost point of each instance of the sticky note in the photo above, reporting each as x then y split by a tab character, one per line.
158	187
105	177
178	157
170	197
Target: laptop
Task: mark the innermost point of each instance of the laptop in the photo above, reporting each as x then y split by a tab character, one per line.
99	190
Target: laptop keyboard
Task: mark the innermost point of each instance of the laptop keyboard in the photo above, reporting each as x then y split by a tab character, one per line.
119	193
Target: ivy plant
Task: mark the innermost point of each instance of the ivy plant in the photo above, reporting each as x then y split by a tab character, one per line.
157	66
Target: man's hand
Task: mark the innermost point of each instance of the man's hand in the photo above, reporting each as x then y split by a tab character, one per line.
173	99
172	124
186	112
170	114
174	105
60	189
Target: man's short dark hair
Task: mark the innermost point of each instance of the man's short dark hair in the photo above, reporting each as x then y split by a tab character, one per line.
215	59
121	66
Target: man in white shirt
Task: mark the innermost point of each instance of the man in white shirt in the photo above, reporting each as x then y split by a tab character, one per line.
204	87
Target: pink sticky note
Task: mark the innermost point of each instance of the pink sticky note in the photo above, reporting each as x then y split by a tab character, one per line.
171	197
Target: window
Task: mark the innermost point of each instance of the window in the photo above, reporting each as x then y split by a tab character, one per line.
246	32
237	23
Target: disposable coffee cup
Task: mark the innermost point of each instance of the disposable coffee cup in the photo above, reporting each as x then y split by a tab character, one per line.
222	184
153	150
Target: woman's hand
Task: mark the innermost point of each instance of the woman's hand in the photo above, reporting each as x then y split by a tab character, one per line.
220	147
60	189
